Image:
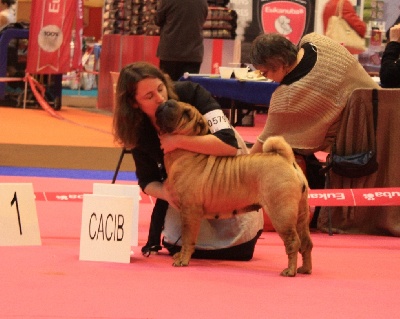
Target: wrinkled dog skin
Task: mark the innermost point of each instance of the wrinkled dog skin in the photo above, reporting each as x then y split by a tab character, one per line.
216	187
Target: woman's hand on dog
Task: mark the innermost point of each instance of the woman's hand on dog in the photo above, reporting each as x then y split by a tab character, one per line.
169	142
204	144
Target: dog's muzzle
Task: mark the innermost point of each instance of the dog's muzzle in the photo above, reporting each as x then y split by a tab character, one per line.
164	116
161	108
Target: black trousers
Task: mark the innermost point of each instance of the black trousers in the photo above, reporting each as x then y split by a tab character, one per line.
242	252
176	69
157	222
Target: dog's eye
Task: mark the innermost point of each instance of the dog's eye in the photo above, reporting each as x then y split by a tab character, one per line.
186	113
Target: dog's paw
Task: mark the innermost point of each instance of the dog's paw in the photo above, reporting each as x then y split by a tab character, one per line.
177	256
288	273
178	262
304	270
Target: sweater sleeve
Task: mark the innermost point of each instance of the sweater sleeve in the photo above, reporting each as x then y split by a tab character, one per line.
390	66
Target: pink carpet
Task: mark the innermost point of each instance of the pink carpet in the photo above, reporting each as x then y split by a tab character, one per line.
353	276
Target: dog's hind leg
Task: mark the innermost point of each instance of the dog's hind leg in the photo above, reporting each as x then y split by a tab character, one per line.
304	234
305	250
284	220
292	244
191	220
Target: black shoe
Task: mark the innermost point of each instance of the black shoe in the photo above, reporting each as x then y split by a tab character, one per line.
150	250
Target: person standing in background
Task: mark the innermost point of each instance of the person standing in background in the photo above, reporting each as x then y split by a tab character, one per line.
390	63
388	30
7	13
348	14
181	46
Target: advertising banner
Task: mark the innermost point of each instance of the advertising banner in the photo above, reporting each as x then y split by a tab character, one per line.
291	18
389	196
56	24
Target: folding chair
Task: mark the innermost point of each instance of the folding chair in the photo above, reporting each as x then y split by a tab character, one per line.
121	157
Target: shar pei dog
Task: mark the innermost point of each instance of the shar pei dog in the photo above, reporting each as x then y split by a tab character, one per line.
217	187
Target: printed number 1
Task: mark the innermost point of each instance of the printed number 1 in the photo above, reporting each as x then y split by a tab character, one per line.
15	200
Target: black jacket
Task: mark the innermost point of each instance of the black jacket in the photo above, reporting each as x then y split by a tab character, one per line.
390	66
181	30
148	156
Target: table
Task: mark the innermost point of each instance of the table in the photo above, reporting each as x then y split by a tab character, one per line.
256	93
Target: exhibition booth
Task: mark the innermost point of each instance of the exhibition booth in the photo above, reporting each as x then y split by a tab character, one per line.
120	32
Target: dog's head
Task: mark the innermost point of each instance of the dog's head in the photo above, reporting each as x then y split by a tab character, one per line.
175	117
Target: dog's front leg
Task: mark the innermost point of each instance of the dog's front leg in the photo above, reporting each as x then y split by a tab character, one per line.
191	220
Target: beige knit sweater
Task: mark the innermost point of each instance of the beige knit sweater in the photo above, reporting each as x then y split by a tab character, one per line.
307	112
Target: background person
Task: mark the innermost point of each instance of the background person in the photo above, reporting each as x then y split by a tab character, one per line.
348	13
7	13
141	88
390	64
388	30
181	46
316	79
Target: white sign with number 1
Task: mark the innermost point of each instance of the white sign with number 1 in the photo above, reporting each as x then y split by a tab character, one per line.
19	224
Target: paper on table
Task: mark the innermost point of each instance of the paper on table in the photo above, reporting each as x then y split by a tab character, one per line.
250	77
187	75
255	76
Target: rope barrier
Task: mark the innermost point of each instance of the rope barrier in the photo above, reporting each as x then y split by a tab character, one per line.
38	91
12	79
35	85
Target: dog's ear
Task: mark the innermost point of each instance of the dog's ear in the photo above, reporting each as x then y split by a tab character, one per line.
192	113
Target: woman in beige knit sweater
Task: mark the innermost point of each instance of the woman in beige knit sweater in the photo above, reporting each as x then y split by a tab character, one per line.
315	79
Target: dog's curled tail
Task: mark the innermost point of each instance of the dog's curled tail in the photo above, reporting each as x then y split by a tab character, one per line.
278	145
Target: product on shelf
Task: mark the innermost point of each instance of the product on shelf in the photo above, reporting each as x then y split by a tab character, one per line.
136	17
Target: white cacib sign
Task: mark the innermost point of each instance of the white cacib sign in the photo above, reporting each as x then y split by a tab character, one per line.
109	223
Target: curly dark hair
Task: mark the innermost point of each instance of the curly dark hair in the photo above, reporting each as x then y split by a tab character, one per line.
273	50
127	118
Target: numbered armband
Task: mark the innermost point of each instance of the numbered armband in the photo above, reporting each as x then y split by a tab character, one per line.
217	121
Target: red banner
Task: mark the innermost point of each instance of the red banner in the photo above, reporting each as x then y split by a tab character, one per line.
355	197
50	35
317	197
217	47
77	197
77	56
